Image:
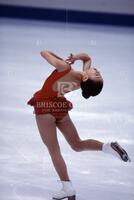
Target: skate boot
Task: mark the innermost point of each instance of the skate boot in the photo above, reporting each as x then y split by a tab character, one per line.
115	149
67	191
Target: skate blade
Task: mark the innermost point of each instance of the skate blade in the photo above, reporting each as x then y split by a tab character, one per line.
123	154
72	198
68	198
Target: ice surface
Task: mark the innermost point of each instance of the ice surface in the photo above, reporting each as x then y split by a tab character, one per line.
26	171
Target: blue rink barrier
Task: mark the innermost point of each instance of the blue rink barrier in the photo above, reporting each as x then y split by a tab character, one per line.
62	15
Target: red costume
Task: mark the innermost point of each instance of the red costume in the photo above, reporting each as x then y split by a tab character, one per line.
46	100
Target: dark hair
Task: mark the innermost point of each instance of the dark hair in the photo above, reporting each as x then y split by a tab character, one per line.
91	88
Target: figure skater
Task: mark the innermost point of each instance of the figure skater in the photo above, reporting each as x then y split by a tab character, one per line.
51	112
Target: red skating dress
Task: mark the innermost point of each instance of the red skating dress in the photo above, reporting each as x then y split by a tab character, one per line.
46	100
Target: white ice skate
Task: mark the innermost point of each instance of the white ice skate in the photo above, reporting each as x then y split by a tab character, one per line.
67	191
115	149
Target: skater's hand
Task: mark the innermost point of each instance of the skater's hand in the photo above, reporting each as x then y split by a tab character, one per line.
71	59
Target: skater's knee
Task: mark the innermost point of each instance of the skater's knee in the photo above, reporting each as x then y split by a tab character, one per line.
76	146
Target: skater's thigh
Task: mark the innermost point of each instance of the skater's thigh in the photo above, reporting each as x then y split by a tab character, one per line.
47	129
68	129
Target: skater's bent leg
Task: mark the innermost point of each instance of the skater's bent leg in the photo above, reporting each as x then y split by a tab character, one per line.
69	131
91	145
47	129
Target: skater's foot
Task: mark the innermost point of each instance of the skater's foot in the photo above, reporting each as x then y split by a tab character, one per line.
122	153
67	191
66	197
115	149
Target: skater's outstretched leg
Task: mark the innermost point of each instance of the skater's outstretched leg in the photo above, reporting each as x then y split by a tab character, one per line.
77	144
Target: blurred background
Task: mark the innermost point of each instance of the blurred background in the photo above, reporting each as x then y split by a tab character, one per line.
105	30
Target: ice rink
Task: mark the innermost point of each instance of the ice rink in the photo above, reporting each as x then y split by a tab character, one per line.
26	171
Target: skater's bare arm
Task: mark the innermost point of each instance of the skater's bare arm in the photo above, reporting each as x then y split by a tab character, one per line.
54	60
